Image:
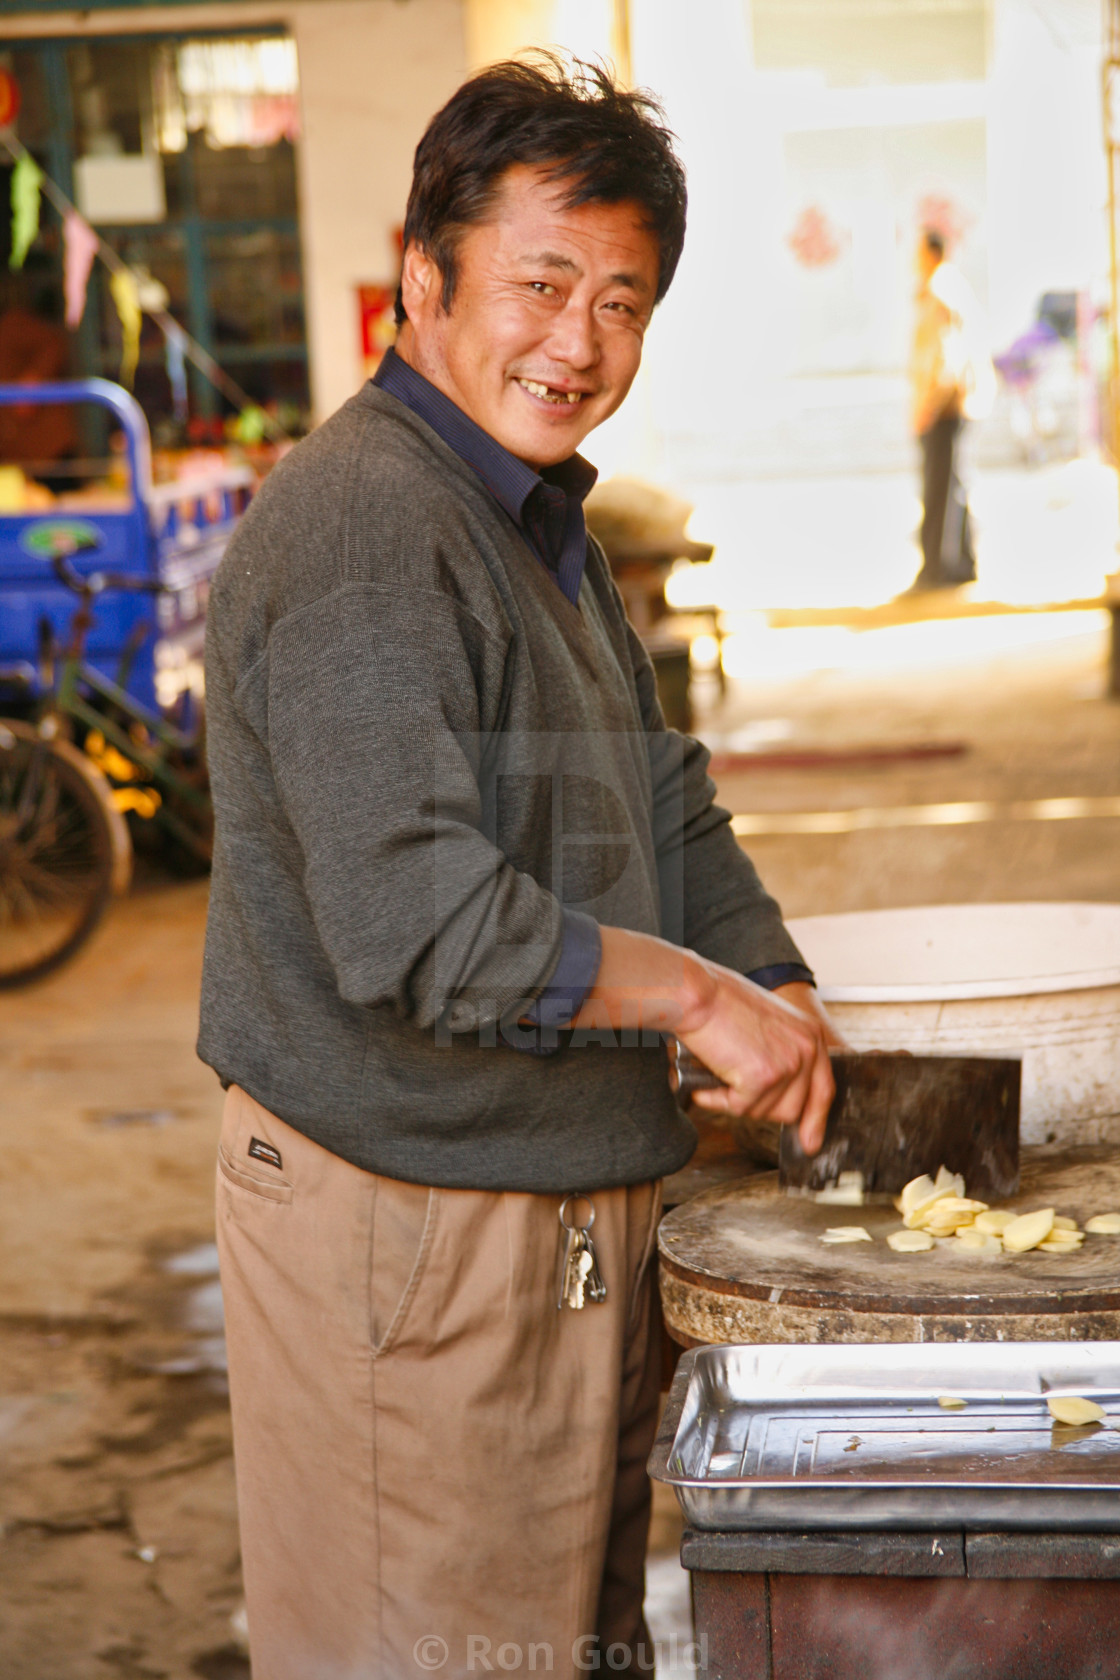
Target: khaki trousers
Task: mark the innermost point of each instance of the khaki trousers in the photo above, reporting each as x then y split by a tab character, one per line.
437	1471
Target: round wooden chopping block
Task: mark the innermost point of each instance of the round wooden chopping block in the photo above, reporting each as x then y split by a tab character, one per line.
745	1263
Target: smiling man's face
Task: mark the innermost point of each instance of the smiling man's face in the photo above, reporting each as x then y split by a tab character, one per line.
544	335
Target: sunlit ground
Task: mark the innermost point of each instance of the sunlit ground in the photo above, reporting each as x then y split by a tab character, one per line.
1042	535
753	650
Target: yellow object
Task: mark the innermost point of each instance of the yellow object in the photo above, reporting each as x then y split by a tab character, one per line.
951	1403
144	801
1072	1409
846	1234
978	1242
910	1242
943	1212
126	296
1028	1230
12	484
918	1190
26	187
994	1221
108	759
1104	1225
1062	1222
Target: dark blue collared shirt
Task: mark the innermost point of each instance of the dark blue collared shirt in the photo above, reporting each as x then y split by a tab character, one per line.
547	508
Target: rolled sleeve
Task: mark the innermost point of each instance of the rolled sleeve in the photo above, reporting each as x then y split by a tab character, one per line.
573	977
782	974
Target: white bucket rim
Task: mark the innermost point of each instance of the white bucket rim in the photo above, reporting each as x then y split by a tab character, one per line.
1085	977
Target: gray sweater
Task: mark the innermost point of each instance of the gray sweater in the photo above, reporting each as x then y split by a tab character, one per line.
419	750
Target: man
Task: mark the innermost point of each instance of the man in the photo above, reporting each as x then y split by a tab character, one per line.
452	833
943	392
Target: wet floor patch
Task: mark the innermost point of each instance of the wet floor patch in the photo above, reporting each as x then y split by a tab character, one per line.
181	1300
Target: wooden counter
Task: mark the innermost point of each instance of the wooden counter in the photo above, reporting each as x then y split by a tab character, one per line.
743	1263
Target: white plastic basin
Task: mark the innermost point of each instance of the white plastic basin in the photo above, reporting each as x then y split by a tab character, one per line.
1039	981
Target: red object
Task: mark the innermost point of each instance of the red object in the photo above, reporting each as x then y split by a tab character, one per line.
378	326
941	214
814	240
824	758
9	99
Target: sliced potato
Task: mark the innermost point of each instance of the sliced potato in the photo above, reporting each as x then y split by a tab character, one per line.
910	1242
1028	1230
847	1191
1074	1409
979	1242
920	1215
846	1234
959	1204
918	1190
1050	1246
1104	1225
1062	1222
943	1208
946	1216
951	1402
947	1180
936	1229
994	1221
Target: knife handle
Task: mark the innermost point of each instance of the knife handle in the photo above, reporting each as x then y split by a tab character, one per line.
687	1073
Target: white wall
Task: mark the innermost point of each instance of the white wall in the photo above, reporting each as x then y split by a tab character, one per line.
1047	187
371	72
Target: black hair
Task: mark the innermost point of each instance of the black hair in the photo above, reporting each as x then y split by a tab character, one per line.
607	143
934	241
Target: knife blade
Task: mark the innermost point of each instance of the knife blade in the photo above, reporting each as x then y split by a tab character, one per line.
897	1116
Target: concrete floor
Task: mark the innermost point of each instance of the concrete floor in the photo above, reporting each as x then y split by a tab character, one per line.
119	1548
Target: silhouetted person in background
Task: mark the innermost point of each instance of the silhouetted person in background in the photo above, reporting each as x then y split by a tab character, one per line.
941	378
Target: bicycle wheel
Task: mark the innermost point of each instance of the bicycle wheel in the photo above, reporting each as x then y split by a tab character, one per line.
59	854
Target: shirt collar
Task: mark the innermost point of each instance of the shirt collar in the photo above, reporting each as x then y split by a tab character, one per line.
510	481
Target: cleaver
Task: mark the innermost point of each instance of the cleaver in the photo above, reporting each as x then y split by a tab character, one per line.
895	1117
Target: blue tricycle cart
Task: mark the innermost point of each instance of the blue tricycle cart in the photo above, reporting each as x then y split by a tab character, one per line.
102	609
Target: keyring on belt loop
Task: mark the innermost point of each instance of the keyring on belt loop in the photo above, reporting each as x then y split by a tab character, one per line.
577	1196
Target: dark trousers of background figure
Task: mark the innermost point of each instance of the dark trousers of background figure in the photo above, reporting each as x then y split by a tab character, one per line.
947	553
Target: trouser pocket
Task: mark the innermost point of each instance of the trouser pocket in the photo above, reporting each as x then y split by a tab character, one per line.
404	1223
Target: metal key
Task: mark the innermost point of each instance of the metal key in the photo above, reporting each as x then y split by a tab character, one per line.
573	1248
596	1288
580	1277
580	1269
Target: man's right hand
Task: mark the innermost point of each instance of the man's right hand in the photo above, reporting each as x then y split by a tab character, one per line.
772	1057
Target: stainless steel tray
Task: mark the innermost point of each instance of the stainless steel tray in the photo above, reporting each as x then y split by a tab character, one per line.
834	1437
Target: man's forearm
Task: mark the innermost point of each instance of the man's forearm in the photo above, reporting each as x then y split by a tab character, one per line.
772	1056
